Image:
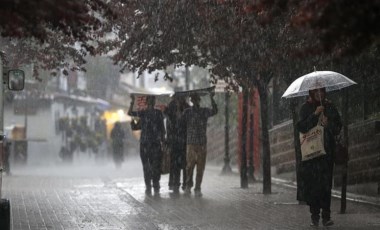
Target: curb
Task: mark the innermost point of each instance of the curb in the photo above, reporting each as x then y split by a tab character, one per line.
375	201
334	193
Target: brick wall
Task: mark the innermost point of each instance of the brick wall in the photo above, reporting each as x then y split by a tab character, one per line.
282	147
364	151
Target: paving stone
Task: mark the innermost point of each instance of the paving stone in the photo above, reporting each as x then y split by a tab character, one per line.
109	201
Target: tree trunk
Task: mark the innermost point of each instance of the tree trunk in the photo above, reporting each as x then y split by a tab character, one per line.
227	168
265	138
345	142
243	165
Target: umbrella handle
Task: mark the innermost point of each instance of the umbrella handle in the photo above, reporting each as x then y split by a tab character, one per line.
320	98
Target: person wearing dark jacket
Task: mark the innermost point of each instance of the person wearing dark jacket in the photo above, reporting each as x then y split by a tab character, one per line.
152	136
176	137
316	174
117	137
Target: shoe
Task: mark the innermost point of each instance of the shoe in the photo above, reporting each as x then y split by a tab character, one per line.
314	224
197	193
171	187
156	190
148	191
327	223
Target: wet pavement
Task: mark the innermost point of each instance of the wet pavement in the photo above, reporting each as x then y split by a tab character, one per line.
98	196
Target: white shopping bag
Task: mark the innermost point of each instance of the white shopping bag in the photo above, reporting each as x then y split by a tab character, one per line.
312	143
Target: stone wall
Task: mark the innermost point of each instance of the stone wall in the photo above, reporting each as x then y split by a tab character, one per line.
282	148
364	151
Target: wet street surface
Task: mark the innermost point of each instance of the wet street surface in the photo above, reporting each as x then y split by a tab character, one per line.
99	196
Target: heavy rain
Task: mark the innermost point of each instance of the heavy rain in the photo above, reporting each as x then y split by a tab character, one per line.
204	114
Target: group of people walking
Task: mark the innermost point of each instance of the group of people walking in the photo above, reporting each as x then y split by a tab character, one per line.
185	137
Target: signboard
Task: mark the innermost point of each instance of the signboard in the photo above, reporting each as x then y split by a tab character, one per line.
162	100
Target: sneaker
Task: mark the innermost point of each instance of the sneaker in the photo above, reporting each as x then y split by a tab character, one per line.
171	187
327	223
156	190
148	191
314	224
197	193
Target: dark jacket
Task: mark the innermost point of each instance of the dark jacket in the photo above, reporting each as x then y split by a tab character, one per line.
176	127
117	136
316	174
152	125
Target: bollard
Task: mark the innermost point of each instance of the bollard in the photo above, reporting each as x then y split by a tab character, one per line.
5	214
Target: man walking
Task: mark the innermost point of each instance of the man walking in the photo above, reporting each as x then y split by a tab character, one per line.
152	136
196	118
176	136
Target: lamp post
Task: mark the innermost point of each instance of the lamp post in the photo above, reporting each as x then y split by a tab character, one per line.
343	200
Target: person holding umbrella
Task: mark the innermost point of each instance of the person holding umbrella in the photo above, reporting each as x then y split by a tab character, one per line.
319	115
317	173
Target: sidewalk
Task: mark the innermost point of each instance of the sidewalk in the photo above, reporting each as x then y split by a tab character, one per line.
225	205
109	199
336	193
371	200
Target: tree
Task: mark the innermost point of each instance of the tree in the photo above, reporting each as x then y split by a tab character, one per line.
342	27
235	44
243	42
48	32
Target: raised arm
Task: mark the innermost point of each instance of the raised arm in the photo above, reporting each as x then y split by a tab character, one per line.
214	109
130	110
162	126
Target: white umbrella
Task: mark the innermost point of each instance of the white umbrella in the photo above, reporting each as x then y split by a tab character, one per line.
315	80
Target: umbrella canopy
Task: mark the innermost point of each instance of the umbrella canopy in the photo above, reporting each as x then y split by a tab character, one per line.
315	80
200	92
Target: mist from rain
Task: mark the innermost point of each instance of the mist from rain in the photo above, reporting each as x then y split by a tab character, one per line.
82	167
